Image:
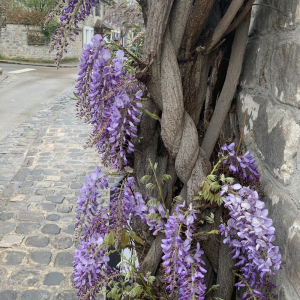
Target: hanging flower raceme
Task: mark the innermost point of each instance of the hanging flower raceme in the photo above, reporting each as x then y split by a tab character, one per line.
109	100
70	13
250	233
242	166
182	264
91	270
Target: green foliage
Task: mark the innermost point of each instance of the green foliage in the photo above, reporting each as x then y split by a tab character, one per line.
48	31
210	218
127	286
24	16
38	5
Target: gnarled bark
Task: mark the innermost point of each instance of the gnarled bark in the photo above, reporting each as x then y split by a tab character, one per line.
177	82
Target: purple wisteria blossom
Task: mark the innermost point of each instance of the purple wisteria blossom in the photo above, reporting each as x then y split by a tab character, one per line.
243	166
149	211
250	233
70	13
109	100
182	264
90	260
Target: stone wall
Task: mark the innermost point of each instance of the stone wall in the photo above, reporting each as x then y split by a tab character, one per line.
14	44
270	89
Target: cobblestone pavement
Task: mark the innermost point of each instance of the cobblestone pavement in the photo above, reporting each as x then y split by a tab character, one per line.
42	167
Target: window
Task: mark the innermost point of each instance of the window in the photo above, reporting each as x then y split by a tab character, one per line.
89	33
98	10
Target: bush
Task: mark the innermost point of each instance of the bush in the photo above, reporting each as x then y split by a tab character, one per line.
23	16
26	17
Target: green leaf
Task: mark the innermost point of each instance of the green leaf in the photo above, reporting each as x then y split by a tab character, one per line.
222	178
215	231
150	186
152	216
206	186
152	202
211	177
214	186
229	180
145	178
124	239
155	166
165	177
210	218
138	239
111	239
212	288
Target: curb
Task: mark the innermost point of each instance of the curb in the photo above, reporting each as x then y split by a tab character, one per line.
3	77
35	64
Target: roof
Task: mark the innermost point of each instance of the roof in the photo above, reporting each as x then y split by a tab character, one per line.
100	24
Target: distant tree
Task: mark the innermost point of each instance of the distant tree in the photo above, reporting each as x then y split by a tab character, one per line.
38	5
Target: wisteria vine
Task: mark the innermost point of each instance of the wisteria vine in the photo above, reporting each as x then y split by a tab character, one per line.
248	231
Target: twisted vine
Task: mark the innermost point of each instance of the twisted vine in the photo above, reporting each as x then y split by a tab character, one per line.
178	121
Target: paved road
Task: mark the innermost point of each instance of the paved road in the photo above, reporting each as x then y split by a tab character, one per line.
24	93
43	165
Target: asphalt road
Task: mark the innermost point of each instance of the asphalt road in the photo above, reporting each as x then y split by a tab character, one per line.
25	92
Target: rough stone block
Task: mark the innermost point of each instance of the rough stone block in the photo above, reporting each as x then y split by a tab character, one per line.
18	198
50	172
35	295
67	295
13	258
64	259
52	178
51	229
62	242
25	215
53	217
6	227
35	198
36	172
53	278
64	209
70	229
8	295
37	241
6	216
42	184
44	192
24	228
24	278
11	240
76	185
47	206
40	257
55	199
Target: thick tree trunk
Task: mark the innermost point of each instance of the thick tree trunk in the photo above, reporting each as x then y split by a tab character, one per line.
186	42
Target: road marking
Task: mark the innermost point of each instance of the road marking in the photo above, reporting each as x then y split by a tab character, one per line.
21	71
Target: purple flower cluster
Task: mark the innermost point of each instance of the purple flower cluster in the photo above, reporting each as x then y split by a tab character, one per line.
150	212
250	233
108	99
70	13
182	265
90	266
87	203
243	166
90	260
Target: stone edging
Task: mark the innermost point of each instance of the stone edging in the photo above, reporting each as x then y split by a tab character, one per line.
35	64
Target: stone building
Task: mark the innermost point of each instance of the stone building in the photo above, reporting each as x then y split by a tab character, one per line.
270	89
28	42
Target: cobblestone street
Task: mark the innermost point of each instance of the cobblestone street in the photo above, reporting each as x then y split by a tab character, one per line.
43	164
